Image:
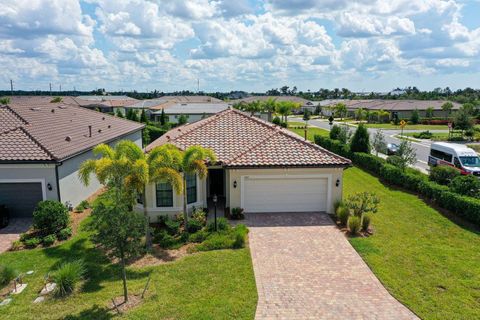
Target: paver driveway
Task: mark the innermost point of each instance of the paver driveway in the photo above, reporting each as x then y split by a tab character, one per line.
12	232
305	268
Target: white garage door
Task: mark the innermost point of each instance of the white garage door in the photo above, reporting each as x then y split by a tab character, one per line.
285	194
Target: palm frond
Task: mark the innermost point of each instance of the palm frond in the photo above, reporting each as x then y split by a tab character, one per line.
129	149
200	168
86	168
169	175
104	150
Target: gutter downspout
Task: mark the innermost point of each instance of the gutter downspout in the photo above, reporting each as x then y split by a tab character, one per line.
58	181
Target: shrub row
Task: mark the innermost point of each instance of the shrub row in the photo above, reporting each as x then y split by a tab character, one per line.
463	206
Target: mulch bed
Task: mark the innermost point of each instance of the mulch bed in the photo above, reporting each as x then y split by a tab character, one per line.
122	306
160	256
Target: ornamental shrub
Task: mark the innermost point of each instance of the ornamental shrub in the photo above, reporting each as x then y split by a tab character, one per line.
194	226
237	214
354	225
32	242
50	217
366	222
49	240
222	225
7	274
443	174
468	185
361	140
64	234
335	132
343	213
67	277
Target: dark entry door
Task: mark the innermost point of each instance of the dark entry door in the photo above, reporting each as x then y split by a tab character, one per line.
20	198
216	178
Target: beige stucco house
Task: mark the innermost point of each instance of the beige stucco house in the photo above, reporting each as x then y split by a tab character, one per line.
261	168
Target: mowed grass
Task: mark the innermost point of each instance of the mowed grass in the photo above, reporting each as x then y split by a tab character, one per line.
429	263
311	131
207	285
391	126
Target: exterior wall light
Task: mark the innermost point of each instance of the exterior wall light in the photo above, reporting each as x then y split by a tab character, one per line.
235	184
49	187
337	183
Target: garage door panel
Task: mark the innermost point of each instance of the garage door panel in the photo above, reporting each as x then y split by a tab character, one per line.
268	194
21	198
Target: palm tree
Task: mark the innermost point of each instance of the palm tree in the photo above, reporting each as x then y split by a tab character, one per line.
341	110
122	169
269	106
127	170
194	161
253	107
284	108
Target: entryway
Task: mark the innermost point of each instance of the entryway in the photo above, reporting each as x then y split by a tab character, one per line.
216	186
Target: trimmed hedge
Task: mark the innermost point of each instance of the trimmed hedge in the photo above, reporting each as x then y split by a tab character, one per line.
410	179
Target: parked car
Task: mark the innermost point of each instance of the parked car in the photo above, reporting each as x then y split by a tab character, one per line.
392	149
4	216
456	155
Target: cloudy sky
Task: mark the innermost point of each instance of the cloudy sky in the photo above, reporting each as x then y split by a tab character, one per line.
239	44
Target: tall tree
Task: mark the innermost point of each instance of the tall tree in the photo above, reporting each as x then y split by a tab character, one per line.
253	107
360	140
341	110
447	107
429	112
118	231
379	143
143	116
163	118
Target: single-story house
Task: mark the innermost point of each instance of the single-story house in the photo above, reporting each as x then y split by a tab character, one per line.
42	147
190	106
261	168
304	103
403	108
104	103
192	111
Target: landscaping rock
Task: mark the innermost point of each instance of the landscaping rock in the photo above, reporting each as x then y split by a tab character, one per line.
19	288
29	272
49	287
5	302
39	299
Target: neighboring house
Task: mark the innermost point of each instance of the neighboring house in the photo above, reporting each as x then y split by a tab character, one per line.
304	103
104	103
42	146
192	111
403	108
261	168
179	104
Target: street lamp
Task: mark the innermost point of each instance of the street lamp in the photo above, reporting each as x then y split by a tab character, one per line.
215	205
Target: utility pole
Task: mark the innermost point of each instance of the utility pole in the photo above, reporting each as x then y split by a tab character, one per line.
60	88
50	88
11	86
198	85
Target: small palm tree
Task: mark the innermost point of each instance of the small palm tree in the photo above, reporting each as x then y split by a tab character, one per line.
121	169
253	107
194	161
269	106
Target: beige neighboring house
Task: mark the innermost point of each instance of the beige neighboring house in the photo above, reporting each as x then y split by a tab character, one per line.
42	145
403	108
261	168
304	103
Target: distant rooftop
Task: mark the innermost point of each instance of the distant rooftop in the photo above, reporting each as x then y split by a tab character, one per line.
304	102
105	98
194	108
167	101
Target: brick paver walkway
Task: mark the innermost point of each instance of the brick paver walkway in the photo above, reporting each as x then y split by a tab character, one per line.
305	268
12	232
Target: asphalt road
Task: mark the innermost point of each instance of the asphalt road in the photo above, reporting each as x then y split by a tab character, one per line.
422	148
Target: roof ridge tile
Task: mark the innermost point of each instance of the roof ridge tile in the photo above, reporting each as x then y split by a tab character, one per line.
45	149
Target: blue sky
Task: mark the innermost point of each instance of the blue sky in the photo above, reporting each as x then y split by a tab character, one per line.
247	45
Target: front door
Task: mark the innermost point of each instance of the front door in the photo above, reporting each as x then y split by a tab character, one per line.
216	180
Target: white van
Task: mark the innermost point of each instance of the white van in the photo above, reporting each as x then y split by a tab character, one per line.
455	155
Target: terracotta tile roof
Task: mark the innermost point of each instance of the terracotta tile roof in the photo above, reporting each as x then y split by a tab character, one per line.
55	131
240	140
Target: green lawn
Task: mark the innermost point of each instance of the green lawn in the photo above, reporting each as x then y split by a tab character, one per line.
207	285
429	263
390	126
311	131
